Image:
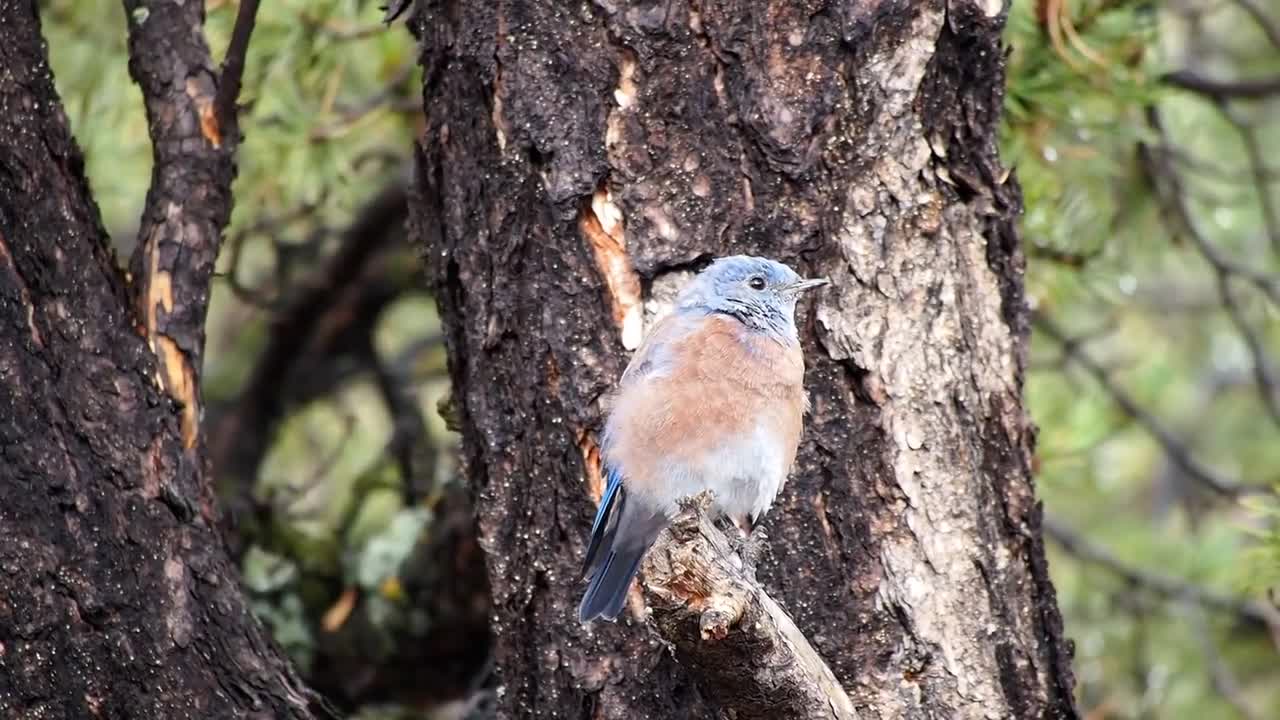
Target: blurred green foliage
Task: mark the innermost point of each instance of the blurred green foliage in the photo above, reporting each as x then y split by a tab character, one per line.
1107	265
331	101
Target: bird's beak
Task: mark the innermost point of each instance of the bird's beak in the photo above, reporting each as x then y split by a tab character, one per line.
800	286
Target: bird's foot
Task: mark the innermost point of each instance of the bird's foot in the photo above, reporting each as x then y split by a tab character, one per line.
747	543
753	549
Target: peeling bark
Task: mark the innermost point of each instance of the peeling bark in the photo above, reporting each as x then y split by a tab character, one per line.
851	140
191	118
117	599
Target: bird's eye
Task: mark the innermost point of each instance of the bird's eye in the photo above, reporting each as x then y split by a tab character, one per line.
756	283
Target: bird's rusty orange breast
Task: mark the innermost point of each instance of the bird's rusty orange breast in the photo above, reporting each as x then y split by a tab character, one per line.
723	381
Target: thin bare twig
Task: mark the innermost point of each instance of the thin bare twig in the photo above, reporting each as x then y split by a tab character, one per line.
1201	166
1174	448
1268	386
1166	586
1170	189
1223	678
1223	89
1265	22
271	227
1258	169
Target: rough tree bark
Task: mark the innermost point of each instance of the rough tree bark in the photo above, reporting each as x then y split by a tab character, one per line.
117	599
580	159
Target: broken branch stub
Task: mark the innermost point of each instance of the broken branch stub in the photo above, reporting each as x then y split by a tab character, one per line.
748	655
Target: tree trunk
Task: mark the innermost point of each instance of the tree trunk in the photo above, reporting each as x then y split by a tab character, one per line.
580	159
117	599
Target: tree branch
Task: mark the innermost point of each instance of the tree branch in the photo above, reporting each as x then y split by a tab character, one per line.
1223	89
1176	450
233	63
1164	585
194	137
1265	22
1268	386
1259	171
751	658
1177	215
1220	672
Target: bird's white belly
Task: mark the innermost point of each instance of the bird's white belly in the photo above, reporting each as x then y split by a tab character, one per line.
745	474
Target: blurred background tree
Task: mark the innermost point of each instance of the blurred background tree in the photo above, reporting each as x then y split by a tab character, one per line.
1140	132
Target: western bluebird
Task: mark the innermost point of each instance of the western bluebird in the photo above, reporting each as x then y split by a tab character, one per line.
713	400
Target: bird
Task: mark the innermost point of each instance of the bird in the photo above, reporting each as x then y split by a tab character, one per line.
713	399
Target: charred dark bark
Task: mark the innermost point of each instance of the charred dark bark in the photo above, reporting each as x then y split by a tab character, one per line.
580	159
117	599
192	121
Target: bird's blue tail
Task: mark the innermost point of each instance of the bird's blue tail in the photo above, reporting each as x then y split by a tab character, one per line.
620	537
607	592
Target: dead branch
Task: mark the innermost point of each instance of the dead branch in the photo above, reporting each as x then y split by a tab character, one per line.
233	63
752	659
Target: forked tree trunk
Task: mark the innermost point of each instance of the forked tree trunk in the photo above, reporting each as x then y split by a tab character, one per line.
580	158
117	598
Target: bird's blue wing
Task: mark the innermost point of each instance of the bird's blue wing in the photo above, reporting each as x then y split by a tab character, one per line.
613	493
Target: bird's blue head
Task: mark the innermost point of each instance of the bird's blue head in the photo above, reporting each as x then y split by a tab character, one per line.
759	292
